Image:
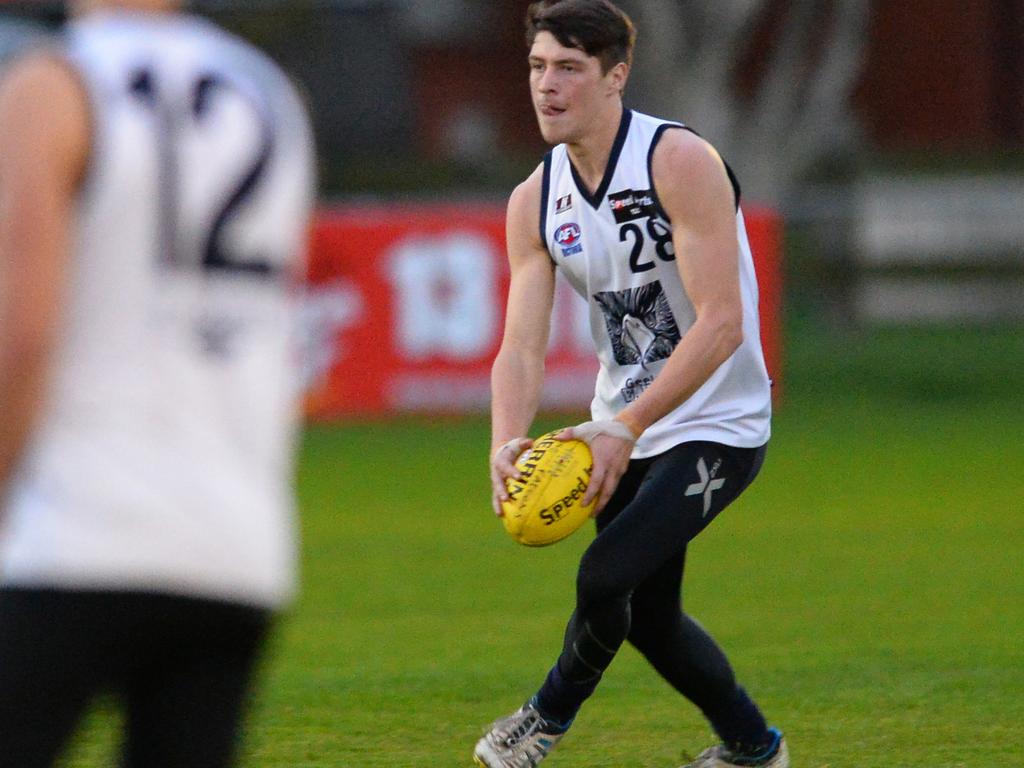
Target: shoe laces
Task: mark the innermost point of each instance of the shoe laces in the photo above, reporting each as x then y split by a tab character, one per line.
520	727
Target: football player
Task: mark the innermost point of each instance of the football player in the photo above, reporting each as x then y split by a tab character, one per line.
155	188
642	217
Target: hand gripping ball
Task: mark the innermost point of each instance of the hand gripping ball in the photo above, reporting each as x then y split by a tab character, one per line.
546	504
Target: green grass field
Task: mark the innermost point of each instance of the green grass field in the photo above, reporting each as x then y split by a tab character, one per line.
869	587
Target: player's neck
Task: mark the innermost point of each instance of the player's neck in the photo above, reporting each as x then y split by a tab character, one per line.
591	152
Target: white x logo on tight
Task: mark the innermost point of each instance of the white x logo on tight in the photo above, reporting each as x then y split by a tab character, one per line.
706	486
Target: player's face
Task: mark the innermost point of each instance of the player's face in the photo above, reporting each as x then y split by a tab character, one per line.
569	90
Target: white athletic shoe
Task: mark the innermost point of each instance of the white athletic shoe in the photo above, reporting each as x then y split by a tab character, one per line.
720	757
517	741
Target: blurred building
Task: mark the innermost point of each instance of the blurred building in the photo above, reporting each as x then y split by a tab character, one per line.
945	75
446	78
428	99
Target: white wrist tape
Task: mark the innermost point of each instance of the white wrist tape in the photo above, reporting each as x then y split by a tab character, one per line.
588	430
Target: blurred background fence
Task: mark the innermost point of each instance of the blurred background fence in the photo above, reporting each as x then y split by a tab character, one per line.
887	135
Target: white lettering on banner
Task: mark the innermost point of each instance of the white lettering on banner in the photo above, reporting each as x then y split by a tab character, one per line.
325	311
445	295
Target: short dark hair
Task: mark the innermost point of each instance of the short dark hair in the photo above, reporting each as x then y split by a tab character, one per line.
596	27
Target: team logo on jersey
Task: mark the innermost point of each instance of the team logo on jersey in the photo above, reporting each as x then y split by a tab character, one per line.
569	237
563	204
632	204
640	324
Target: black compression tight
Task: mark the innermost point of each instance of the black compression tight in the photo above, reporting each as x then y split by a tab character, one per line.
630	582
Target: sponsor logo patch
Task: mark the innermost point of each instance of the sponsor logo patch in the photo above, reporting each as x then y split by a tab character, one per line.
631	204
563	204
569	237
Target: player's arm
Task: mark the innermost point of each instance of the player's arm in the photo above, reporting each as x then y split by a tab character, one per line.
44	144
694	189
518	371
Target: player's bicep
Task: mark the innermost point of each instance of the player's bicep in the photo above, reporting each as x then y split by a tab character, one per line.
532	274
694	189
528	314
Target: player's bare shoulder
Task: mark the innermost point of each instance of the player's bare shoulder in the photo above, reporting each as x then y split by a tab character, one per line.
43	103
524	202
687	171
682	150
41	67
522	222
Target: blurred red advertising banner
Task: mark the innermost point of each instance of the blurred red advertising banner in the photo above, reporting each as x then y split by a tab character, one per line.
405	306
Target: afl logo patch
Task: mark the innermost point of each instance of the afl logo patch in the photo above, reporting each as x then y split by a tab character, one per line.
568	236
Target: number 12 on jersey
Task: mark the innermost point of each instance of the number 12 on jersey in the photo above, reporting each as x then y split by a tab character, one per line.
213	144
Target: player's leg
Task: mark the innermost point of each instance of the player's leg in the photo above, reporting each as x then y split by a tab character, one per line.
187	693
53	647
525	737
689	659
589	645
680	493
647	523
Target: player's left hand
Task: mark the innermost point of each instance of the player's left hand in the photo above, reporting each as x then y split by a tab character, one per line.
611	444
503	466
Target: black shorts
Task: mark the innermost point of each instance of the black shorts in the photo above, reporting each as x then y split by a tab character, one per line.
182	667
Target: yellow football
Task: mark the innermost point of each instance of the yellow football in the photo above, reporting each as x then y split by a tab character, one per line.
546	504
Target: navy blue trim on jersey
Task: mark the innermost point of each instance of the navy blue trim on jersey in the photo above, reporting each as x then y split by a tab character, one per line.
609	171
650	169
545	192
650	165
734	181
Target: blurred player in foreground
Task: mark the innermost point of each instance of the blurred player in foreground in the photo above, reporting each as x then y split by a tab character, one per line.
155	187
642	216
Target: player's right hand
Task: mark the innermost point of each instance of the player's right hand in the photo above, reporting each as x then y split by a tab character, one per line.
503	466
611	446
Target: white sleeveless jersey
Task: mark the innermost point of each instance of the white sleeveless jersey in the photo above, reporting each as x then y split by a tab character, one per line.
615	248
164	457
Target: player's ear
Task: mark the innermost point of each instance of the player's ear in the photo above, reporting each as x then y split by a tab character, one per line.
617	76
